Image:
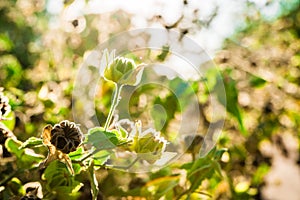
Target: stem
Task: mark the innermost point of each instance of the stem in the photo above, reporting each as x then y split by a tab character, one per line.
3	182
89	155
96	151
114	104
13	174
94	182
123	167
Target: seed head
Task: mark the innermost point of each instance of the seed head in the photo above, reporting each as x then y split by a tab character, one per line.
66	136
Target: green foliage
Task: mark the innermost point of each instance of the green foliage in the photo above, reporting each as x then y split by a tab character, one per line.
10	124
31	143
94	182
161	187
256	81
230	98
25	158
37	65
102	139
164	53
77	155
60	181
203	168
5	43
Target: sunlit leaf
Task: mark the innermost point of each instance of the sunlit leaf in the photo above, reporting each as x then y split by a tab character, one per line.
10	121
256	81
77	155
59	179
101	157
260	173
230	98
164	53
32	142
203	168
101	139
5	43
25	157
160	187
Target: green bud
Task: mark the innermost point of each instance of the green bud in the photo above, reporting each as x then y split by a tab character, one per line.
123	71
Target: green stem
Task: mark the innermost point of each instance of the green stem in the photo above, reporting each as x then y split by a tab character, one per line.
123	167
94	182
114	104
97	150
15	173
3	182
88	155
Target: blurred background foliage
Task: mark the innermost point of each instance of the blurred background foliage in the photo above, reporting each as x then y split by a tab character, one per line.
40	53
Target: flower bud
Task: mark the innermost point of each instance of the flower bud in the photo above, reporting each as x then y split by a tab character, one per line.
148	145
66	136
123	71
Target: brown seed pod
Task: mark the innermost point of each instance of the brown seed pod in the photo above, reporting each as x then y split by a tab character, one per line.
66	136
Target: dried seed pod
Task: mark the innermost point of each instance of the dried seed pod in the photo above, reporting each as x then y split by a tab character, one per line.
66	136
4	106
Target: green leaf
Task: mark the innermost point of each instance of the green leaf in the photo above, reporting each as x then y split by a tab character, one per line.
12	69
218	153
261	171
77	168
77	155
164	110
256	81
32	142
121	136
217	168
16	186
13	147
203	168
211	79
25	157
10	122
122	133
160	187
5	43
59	179
101	139
186	166
164	53
101	157
230	99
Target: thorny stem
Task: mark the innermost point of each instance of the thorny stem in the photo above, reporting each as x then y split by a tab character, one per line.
114	104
